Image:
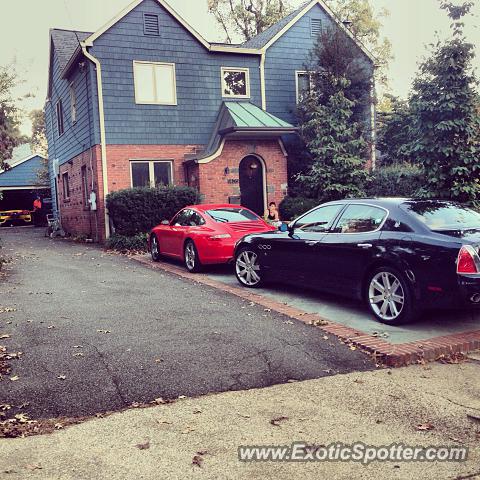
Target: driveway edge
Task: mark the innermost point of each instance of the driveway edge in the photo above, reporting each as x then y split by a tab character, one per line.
391	355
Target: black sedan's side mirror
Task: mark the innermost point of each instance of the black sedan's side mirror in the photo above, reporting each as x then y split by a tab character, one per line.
165	222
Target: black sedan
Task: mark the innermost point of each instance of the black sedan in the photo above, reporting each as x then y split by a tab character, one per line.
400	256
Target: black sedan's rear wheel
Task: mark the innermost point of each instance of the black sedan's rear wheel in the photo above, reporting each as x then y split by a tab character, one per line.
247	268
155	248
389	296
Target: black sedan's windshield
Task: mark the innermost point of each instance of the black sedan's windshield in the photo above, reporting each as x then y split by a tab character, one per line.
438	215
230	215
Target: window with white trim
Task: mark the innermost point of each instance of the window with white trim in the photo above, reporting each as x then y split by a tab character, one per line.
304	84
155	83
73	102
236	82
151	173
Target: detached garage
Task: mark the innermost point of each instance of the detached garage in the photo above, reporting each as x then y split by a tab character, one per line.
21	184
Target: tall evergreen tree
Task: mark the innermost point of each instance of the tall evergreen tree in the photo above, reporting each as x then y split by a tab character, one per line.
331	123
445	129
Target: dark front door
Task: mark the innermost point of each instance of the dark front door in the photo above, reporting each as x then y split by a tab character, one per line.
251	184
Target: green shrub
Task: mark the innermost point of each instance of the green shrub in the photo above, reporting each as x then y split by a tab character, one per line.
124	244
137	210
401	180
292	207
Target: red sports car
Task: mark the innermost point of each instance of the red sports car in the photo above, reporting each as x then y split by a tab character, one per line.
204	234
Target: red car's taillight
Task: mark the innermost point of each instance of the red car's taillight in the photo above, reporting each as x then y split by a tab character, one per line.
221	236
468	260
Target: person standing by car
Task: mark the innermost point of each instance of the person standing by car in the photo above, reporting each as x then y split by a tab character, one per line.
271	215
37	211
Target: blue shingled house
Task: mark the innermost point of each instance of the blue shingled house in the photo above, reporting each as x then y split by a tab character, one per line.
146	100
20	184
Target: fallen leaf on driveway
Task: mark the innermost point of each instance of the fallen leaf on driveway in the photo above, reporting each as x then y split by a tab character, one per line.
267	309
189	429
5	335
36	466
51	326
58	426
288	322
80	354
197	461
158	360
22	418
9	309
78	346
104	331
61	377
423	427
14	378
276	421
143	446
195	412
181	397
357	380
5	406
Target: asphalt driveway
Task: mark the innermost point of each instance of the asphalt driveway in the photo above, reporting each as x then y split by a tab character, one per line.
99	332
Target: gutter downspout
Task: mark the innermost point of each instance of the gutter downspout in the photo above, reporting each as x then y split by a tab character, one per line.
103	143
262	81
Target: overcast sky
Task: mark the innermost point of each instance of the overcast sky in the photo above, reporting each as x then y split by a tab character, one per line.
411	26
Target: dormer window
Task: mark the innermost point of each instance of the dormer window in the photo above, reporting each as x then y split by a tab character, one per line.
150	24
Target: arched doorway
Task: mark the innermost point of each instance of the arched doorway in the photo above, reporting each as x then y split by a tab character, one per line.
252	185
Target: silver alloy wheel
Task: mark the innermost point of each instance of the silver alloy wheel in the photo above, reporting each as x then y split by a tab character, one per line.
247	268
190	256
154	247
386	296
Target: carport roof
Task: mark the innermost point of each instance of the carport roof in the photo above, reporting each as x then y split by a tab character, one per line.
24	174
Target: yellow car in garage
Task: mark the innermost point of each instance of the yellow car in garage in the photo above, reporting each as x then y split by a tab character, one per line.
11	217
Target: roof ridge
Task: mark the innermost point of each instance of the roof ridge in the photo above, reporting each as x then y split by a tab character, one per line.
55	29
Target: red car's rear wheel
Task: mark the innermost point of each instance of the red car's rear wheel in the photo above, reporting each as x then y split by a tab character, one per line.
190	256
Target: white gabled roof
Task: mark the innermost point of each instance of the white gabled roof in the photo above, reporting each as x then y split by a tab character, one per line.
212	47
242	49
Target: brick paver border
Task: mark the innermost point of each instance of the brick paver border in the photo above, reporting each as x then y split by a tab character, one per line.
392	355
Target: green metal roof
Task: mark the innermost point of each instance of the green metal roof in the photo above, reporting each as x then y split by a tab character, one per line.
245	114
243	120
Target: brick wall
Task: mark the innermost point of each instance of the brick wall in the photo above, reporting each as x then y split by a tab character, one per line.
216	186
119	157
76	216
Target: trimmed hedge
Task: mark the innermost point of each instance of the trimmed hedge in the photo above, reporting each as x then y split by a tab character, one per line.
292	207
402	180
123	244
138	210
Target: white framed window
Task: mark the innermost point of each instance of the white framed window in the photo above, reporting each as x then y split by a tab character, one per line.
151	173
73	102
155	83
303	84
235	82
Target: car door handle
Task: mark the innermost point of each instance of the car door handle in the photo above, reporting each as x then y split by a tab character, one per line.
364	245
